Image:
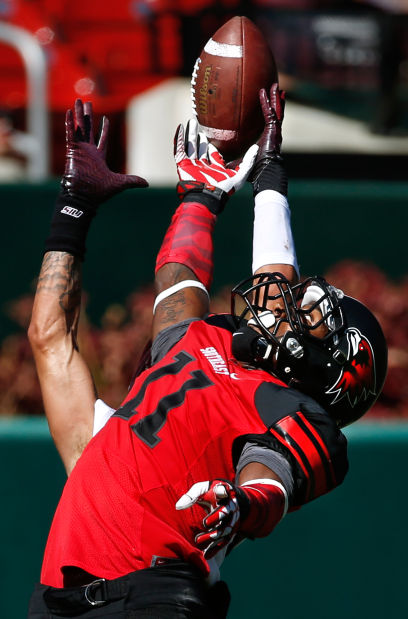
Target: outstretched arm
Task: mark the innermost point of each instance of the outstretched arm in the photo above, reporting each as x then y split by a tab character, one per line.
273	245
68	391
185	261
66	383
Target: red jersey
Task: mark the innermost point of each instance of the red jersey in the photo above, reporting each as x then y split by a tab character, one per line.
183	421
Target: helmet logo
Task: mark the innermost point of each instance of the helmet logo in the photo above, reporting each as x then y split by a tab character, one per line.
357	378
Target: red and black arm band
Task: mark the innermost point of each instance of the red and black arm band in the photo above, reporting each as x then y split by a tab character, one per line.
298	428
317	450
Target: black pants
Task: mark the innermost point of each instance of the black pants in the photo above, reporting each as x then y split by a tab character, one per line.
162	592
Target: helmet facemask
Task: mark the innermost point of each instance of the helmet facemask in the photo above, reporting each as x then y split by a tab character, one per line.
287	317
314	338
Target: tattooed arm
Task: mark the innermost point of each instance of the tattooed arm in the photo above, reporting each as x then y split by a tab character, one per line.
189	302
66	383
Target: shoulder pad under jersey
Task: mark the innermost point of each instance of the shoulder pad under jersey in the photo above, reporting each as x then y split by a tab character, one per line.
302	430
225	321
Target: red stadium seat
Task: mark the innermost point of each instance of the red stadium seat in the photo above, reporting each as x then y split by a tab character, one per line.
97	12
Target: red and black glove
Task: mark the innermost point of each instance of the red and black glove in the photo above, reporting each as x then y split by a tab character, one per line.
204	187
251	509
87	181
202	169
268	172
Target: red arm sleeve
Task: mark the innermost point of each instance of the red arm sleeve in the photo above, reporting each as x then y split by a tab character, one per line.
189	241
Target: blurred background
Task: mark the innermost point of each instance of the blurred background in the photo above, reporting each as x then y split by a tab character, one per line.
344	66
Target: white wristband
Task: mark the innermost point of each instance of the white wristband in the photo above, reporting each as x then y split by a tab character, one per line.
186	283
273	239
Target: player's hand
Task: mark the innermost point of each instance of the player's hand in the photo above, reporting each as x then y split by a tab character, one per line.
268	171
87	175
199	163
273	109
223	502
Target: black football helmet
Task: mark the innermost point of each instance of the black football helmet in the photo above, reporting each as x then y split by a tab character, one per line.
315	339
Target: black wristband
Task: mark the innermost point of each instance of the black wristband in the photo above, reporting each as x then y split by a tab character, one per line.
214	199
69	224
270	173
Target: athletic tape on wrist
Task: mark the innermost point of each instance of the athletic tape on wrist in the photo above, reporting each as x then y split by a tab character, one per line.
273	239
187	283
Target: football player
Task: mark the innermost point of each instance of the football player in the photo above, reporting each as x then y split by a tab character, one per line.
233	420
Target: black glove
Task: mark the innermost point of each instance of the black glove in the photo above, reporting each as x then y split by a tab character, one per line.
268	171
87	181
